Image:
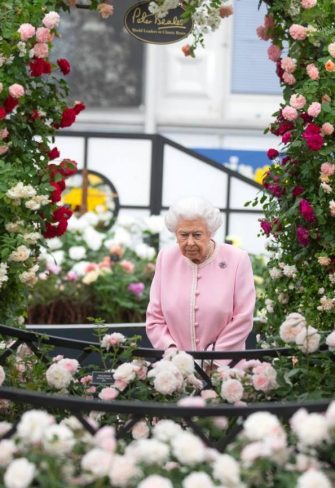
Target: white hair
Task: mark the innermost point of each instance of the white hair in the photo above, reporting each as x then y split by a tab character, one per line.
191	208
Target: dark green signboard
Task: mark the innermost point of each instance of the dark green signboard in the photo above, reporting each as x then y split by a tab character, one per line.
147	27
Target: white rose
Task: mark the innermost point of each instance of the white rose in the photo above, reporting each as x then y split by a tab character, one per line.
140	430
148	451
33	424
232	390
125	372
93	238
165	430
292	325
226	470
123	471
184	362
308	340
154	224
58	377
330	341
290	271
98	462
188	448
77	253
198	480
4	427
313	430
155	481
313	479
58	439
2	375
330	415
22	253
19	474
144	251
260	425
275	273
166	383
7	449
32	237
54	243
80	268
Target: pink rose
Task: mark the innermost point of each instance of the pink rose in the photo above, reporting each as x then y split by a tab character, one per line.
51	20
268	21
297	101
3	150
327	129
262	33
43	35
127	266
86	380
4	133
72	276
195	401
288	78
308	3
41	50
121	384
226	11
327	169
312	71
302	235
108	393
332	208
26	31
105	438
71	365
232	390
298	32
289	113
289	64
274	52
314	109
209	394
16	90
306	210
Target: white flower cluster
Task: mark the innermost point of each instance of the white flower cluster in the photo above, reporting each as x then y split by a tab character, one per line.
3	273
60	374
206	18
294	329
161	9
27	192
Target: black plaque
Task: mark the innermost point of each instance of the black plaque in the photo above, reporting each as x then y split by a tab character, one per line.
147	27
102	378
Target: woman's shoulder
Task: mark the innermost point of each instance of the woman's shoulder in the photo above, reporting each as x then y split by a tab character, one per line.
229	251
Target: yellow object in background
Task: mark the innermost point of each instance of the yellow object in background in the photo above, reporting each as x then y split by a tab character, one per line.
95	198
260	173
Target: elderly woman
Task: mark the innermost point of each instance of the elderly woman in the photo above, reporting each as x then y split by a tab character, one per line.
202	296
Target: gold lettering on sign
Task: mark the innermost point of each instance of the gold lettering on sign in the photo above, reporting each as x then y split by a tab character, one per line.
140	17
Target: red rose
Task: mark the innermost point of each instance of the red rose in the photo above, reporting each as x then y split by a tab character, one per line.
272	153
61	227
56	193
266	226
285	160
2	113
61	185
39	67
286	137
297	190
275	189
50	231
68	117
35	115
68	167
54	153
62	213
279	70
284	127
79	107
306	210
64	66
302	235
10	103
314	141
306	118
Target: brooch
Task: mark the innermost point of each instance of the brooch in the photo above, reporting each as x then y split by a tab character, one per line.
223	264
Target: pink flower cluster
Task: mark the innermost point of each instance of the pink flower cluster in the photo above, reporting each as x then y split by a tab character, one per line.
289	113
297	101
264	377
308	3
306	210
327	169
314	109
312	71
298	32
264	31
274	52
289	64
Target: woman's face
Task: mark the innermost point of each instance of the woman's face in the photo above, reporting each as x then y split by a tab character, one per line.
193	238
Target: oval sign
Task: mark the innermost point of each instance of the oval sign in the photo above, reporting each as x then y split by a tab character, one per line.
147	27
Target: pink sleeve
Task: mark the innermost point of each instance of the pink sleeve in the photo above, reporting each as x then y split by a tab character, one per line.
156	327
234	334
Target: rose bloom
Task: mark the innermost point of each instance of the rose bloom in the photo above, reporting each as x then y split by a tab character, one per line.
289	113
226	11
58	439
327	169
297	101
108	393
188	448
140	430
289	64
43	35
274	52
33	424
186	49
288	78
329	66
332	208
58	377
19	474
312	71
313	478
127	266
227	470
314	109
114	339
22	253
97	462
327	129
157	481
165	430
123	470
7	450
262	33
311	429
330	341
26	31
308	3
298	32
105	10
260	425
16	90
308	339
232	390
2	375
197	479
105	438
331	49
306	210
4	133
51	20
41	50
71	365
125	372
209	394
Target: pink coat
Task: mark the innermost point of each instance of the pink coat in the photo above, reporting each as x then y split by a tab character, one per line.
194	306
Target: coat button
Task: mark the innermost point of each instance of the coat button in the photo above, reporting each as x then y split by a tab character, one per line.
197	341
196	324
198	277
197	292
196	308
